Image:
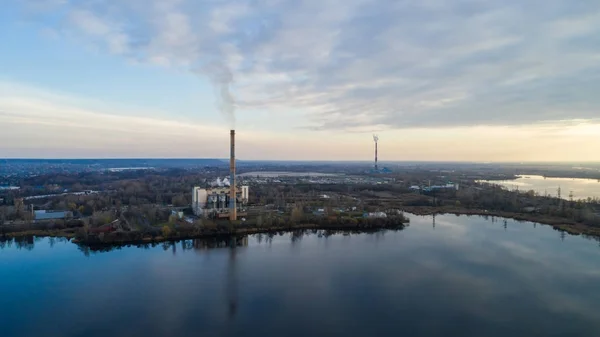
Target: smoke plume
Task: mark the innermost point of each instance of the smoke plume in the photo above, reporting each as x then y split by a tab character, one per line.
221	78
226	105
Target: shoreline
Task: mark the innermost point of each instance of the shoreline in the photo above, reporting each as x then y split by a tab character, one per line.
235	233
125	238
558	223
133	238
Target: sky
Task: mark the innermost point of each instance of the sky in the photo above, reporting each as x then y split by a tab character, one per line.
440	80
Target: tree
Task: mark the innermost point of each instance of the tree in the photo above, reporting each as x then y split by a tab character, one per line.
166	231
297	213
86	210
179	201
86	228
3	214
28	217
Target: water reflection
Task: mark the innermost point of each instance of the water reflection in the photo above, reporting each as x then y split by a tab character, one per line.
464	277
27	242
232	274
192	244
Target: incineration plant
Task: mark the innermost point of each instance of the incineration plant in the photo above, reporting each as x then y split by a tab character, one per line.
223	198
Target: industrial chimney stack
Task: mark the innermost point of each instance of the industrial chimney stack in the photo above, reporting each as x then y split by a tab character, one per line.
232	195
376	156
376	140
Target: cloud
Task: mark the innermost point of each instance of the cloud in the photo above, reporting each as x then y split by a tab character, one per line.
37	123
363	64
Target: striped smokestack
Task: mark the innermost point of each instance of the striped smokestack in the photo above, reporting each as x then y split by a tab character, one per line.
376	140
232	203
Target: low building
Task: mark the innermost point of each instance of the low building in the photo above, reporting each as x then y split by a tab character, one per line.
51	215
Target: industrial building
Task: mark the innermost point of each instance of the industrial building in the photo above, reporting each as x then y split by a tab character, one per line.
216	201
225	199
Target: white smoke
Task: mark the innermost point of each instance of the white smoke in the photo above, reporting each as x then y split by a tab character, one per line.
220	183
222	79
338	61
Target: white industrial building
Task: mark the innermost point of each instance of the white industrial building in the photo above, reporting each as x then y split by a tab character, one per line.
215	201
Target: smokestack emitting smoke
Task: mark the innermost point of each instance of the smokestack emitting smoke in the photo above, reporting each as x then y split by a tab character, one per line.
232	203
376	139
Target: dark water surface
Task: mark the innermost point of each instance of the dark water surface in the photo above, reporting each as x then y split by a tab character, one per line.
467	276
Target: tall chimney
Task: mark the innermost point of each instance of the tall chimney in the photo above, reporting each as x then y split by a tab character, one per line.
376	140
232	192
376	156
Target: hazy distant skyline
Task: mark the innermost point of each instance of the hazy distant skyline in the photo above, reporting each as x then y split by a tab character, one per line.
439	80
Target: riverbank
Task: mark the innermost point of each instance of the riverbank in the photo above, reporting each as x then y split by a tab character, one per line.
563	224
78	236
122	238
140	237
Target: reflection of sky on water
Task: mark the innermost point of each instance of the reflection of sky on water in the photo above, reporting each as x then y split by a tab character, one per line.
582	188
466	276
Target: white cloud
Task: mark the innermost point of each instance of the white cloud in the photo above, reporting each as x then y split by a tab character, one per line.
40	124
356	64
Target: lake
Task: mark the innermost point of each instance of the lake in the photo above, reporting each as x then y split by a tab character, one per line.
581	188
455	276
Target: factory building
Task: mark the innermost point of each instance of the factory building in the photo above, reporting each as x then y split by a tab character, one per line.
224	198
216	201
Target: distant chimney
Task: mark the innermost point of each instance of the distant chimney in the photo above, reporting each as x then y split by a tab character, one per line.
232	201
376	168
376	140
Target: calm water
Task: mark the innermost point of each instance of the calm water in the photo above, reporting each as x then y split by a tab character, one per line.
581	188
467	276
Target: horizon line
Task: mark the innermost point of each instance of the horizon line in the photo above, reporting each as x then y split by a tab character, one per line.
304	160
